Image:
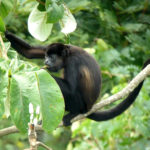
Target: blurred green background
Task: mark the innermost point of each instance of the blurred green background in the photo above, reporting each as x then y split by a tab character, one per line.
117	34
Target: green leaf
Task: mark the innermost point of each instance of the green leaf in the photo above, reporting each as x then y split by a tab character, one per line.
68	23
48	3
133	27
110	18
2	25
52	104
102	45
23	90
135	8
12	54
77	5
54	13
3	88
5	7
37	25
38	88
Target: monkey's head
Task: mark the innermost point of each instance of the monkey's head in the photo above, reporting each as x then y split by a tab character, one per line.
55	56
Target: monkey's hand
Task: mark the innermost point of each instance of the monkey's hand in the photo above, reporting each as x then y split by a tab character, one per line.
67	118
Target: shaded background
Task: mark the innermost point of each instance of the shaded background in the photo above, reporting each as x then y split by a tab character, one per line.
117	34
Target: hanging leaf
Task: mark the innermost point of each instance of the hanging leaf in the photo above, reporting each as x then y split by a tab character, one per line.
52	104
68	22
37	25
54	13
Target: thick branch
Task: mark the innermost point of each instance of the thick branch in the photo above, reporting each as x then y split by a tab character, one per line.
13	129
8	130
125	92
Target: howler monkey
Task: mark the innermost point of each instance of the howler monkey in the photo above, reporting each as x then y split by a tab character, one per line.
82	78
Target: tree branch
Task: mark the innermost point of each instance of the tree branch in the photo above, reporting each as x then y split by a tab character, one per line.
43	145
124	92
42	3
8	130
32	136
13	129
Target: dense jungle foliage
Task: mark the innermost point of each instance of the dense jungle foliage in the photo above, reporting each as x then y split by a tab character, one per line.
117	34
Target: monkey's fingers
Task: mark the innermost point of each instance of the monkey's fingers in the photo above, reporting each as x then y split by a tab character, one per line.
45	67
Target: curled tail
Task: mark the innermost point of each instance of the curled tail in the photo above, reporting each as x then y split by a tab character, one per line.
120	108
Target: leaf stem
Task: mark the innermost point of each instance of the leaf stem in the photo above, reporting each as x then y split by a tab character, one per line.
67	38
42	3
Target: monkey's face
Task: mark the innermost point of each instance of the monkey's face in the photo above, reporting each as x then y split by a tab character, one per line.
54	62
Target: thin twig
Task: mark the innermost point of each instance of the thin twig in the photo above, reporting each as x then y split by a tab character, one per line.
43	145
42	3
96	142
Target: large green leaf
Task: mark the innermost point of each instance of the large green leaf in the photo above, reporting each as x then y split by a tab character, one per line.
52	103
22	83
38	88
38	26
23	90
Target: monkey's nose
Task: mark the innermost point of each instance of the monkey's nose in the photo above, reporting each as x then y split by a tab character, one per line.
46	62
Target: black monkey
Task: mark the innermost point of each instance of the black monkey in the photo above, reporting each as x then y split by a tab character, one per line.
82	78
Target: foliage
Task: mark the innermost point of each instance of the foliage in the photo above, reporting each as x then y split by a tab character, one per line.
21	84
117	34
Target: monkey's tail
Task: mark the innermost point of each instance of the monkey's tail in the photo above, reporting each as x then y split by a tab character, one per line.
120	108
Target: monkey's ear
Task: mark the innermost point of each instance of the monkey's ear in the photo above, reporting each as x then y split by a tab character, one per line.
65	51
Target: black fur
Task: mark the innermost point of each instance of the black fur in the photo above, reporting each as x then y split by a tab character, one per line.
24	48
82	78
120	108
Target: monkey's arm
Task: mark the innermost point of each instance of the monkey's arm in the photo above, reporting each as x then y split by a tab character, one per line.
24	48
64	86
